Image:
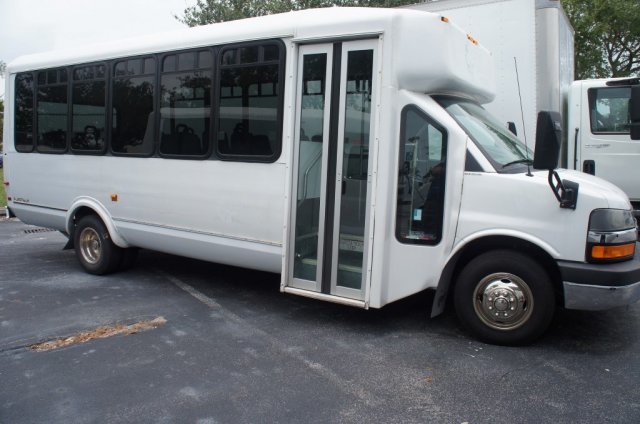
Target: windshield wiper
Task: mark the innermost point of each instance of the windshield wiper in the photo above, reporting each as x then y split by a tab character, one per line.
527	161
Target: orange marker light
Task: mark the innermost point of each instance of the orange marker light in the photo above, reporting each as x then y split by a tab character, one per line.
613	252
444	19
473	40
114	197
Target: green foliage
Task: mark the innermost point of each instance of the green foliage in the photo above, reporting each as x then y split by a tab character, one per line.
213	11
607	39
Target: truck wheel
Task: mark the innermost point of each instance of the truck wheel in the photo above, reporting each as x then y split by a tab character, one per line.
504	297
95	250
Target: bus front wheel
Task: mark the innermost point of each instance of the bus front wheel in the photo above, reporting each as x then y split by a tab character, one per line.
94	249
504	297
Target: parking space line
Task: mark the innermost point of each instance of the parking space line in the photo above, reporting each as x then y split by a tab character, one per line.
192	291
291	351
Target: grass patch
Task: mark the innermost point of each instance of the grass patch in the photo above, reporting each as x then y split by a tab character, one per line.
3	195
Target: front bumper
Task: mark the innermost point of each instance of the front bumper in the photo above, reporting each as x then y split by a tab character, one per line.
596	287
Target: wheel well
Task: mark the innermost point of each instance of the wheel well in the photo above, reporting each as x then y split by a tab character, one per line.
486	244
78	214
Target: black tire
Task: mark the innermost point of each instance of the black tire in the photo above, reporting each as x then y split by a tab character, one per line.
510	285
129	258
94	249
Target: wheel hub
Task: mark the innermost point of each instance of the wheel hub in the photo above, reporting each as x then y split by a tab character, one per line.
90	246
503	301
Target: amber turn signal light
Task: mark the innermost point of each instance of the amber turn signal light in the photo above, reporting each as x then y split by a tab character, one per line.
613	252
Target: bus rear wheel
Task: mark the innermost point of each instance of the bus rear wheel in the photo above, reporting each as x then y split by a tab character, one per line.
94	249
504	297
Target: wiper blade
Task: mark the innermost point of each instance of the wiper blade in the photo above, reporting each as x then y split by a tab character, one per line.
527	161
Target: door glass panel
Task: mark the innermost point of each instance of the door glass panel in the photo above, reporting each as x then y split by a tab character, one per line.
310	166
421	182
353	202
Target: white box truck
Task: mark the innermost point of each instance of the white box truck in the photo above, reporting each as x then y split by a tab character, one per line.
538	37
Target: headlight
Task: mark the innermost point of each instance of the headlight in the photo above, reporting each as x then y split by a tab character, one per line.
612	235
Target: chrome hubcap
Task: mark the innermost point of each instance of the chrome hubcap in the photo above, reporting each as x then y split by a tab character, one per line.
503	301
90	246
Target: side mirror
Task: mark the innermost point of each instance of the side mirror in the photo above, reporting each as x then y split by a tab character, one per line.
548	140
634	112
546	155
512	128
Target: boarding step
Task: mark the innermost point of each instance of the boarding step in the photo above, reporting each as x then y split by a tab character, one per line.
341	267
307	243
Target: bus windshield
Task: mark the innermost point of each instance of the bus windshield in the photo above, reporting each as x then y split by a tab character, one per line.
505	151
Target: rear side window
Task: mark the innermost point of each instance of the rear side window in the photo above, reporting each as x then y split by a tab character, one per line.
609	110
250	102
421	180
186	103
88	118
23	106
53	110
132	119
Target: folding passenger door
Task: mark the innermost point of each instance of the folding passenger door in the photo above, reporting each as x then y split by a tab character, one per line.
330	209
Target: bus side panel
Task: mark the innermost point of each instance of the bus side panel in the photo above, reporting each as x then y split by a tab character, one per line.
218	201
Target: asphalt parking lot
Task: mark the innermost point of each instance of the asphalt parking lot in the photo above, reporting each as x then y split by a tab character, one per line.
234	349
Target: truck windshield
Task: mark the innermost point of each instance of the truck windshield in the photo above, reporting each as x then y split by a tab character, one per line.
506	152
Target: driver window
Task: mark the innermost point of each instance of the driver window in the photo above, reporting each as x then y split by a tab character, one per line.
421	179
609	110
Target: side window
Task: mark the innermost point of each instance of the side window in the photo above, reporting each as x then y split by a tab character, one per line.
471	164
186	103
250	102
133	116
23	124
88	119
421	181
52	110
609	110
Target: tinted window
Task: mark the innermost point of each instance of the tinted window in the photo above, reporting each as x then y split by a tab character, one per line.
24	113
52	111
133	115
421	180
249	108
609	110
186	106
88	120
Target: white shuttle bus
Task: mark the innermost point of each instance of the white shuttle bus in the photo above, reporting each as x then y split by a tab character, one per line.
343	148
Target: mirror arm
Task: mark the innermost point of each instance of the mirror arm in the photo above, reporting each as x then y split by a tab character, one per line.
565	191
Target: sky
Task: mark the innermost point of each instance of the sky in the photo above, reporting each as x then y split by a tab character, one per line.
31	26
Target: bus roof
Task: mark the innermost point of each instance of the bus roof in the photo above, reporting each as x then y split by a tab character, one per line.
430	54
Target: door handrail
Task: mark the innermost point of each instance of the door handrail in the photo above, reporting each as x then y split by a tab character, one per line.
306	177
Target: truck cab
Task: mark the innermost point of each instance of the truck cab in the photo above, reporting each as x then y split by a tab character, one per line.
599	140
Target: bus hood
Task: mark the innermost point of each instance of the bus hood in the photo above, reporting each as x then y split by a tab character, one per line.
593	186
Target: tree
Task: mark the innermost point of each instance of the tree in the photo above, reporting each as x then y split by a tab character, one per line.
213	11
607	37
